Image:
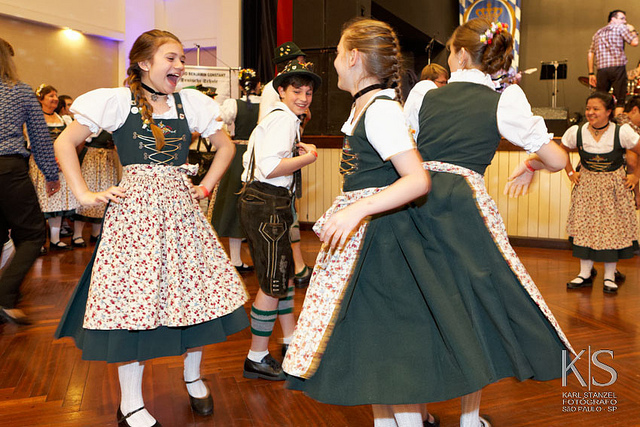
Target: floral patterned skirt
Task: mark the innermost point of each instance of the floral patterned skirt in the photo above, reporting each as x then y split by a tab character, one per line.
159	281
62	203
602	218
159	262
100	171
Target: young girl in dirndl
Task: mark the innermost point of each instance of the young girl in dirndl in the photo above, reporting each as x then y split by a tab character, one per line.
159	283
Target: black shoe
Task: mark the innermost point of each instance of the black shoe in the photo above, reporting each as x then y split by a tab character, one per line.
435	423
122	419
201	405
285	347
43	251
59	246
301	280
619	278
268	369
585	282
93	239
485	421
244	268
609	286
18	318
78	242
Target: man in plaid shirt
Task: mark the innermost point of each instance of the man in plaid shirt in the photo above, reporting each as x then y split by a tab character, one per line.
607	53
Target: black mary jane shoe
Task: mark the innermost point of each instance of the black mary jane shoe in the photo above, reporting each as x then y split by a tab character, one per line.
122	419
609	286
20	319
583	284
285	347
435	423
78	242
485	421
93	239
201	405
59	246
619	278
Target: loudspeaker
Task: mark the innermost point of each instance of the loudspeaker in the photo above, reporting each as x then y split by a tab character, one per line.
556	119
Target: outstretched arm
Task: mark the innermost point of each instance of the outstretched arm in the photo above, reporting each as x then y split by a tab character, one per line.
550	157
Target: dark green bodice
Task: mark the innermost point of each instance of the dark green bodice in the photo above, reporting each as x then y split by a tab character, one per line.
136	144
246	119
458	125
361	165
602	162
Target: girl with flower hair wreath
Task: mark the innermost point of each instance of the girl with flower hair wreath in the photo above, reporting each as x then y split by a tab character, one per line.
352	341
489	321
159	283
241	117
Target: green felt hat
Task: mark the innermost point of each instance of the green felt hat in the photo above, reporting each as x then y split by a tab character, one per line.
298	68
286	52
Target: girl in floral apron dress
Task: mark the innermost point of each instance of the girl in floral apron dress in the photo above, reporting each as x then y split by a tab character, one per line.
159	283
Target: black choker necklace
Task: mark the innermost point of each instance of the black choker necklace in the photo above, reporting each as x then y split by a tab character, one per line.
48	114
154	93
368	89
595	128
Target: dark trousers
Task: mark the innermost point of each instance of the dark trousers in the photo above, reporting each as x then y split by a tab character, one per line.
616	78
266	217
20	213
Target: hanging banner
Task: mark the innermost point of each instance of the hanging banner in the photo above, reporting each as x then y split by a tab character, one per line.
505	11
223	79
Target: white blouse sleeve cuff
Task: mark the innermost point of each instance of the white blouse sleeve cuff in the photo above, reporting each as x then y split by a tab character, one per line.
202	112
628	137
517	123
386	128
102	108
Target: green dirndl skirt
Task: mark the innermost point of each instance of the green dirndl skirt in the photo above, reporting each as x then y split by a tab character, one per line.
225	219
432	311
116	346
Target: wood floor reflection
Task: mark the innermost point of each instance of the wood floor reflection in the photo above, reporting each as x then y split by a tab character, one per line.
45	382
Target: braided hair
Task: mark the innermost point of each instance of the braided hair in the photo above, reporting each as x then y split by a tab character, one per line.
380	47
143	49
489	55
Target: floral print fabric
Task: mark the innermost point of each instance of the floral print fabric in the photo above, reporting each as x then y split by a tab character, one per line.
159	262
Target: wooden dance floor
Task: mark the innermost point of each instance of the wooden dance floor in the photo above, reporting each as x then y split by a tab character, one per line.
45	383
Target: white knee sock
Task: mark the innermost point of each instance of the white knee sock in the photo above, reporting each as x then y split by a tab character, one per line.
610	270
408	415
383	416
130	376
192	372
585	268
54	227
234	251
78	226
471	410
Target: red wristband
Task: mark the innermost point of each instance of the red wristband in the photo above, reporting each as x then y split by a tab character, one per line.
314	152
528	166
204	190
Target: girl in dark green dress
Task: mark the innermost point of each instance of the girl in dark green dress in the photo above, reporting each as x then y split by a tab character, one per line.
159	283
350	345
492	321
